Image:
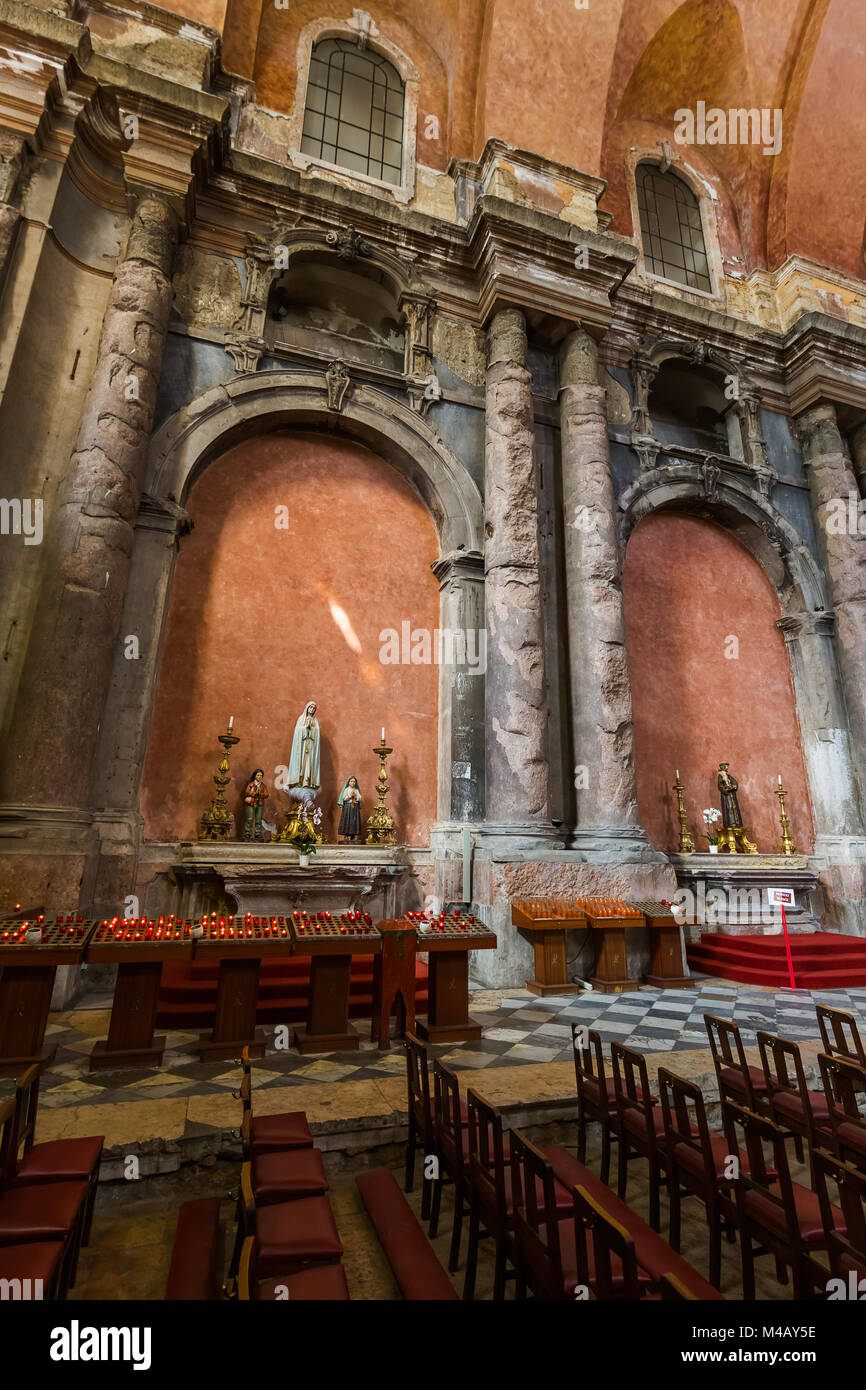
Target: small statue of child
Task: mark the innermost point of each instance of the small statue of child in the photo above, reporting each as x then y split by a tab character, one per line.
255	797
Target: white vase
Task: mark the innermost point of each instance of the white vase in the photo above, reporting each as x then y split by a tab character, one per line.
303	860
714	849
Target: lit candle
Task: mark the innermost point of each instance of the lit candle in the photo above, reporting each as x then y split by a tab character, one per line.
231	722
678	774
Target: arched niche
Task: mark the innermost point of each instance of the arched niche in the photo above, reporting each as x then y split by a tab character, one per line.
325	306
688	408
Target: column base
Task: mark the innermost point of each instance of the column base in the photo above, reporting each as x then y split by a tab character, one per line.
615	844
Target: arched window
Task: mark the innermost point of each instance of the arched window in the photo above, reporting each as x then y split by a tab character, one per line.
671	231
354	110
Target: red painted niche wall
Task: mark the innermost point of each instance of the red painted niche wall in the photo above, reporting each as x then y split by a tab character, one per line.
692	594
264	618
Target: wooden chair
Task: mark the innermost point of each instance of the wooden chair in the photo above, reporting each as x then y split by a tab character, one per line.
780	1216
697	1164
672	1289
596	1099
544	1243
448	1134
840	1035
420	1118
790	1103
490	1205
290	1235
37	1266
847	1247
58	1160
606	1259
40	1213
738	1081
640	1123
844	1086
318	1284
270	1134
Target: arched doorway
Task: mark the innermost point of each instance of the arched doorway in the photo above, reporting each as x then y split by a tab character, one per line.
711	680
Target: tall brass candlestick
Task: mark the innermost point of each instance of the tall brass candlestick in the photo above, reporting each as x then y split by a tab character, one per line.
218	823
380	825
788	846
686	843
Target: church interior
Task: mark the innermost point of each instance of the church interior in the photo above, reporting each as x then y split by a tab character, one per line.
433	694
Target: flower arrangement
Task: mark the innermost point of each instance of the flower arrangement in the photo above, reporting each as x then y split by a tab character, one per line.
711	815
306	838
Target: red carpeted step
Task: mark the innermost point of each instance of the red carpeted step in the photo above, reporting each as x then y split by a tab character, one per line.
822	960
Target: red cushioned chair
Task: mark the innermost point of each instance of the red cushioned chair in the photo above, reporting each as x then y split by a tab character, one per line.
41	1212
791	1104
490	1206
780	1216
38	1265
840	1035
57	1160
545	1256
420	1118
268	1134
697	1164
847	1247
449	1138
289	1235
844	1086
606	1259
596	1098
743	1084
318	1284
641	1124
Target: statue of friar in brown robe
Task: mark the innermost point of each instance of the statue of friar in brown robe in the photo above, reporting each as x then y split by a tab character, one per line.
728	787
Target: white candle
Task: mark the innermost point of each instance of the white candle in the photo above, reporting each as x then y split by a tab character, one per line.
231	722
678	774
383	735
780	779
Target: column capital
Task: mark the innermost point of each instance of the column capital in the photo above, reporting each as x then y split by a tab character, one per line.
153	232
459	565
818	430
506	338
821	623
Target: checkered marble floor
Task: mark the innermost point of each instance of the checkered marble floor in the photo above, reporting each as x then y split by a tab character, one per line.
519	1028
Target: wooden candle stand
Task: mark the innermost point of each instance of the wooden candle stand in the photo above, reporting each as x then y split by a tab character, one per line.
610	919
27	970
544	922
139	953
330	946
666	951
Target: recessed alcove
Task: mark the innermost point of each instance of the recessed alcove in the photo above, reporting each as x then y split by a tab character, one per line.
335	310
688	408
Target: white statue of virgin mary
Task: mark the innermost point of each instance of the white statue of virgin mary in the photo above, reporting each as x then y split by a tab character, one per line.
304	779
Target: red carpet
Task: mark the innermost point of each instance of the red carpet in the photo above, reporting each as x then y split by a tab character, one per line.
822	960
187	995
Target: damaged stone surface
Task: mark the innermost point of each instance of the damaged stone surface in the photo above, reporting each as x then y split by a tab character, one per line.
207	289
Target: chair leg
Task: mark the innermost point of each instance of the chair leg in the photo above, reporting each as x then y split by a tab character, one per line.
426	1184
798	1147
655	1183
674	1203
472	1252
499	1271
605	1152
410	1157
622	1166
581	1133
714	1217
433	1230
781	1270
748	1263
457	1228
88	1215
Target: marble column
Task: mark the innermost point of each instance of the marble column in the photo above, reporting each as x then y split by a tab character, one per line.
603	734
11	164
842	550
50	748
516	701
462	674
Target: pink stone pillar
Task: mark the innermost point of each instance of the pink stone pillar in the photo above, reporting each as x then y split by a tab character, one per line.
515	697
49	748
842	549
603	734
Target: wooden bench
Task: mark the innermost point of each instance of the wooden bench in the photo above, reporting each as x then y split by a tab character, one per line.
410	1255
653	1253
197	1256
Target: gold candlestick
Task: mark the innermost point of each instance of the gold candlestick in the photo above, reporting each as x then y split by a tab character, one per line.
218	823
380	825
788	846
686	843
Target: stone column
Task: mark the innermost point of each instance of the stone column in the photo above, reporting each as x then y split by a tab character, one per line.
842	551
461	686
858	454
11	163
61	698
603	735
516	703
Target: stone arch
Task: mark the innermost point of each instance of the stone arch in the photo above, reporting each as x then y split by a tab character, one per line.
260	402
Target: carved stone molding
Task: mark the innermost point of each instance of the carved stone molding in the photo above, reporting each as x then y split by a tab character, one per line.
337	383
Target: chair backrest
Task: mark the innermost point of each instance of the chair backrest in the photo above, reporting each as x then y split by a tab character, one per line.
418	1081
844	1082
673	1289
8	1144
27	1102
783	1070
631	1086
848	1243
610	1242
487	1154
446	1111
684	1113
729	1054
589	1065
840	1034
536	1227
749	1136
245	1061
